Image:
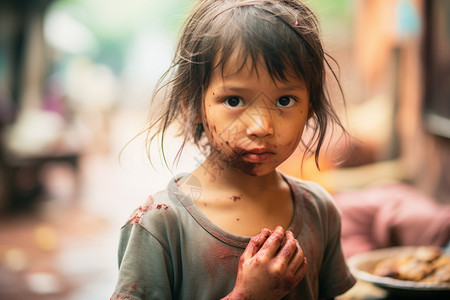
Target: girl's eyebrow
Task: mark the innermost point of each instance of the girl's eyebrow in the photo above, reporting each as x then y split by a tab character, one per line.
232	89
282	88
235	89
292	88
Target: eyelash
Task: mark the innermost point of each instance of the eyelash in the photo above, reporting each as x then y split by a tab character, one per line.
241	102
292	100
233	97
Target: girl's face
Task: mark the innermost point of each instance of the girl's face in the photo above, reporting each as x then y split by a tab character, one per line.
252	121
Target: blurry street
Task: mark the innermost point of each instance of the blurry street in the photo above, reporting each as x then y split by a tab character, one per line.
76	79
65	248
68	257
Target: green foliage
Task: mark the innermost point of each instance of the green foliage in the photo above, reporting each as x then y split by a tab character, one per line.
114	23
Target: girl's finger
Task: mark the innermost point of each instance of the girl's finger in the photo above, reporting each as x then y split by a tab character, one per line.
301	272
255	243
298	258
273	242
288	249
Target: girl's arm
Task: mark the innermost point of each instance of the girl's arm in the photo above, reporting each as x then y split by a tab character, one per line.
144	266
267	271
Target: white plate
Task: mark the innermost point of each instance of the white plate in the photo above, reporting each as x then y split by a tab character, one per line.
362	264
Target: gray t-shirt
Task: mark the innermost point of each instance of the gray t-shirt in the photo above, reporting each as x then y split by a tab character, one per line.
170	250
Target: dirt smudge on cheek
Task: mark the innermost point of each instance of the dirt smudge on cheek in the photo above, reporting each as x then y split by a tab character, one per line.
245	167
235	160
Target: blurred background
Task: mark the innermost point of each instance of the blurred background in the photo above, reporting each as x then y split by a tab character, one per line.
76	77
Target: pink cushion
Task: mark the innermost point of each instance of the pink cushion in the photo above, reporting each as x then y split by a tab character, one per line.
391	215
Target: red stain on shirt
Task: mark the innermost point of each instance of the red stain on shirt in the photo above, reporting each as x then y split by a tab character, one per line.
162	206
218	258
222	252
133	287
141	211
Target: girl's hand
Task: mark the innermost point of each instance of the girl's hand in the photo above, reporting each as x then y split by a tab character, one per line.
270	267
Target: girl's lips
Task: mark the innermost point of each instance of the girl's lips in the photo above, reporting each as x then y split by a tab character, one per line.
254	155
257	156
257	150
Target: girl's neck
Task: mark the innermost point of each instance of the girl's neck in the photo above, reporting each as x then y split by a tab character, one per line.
219	175
240	203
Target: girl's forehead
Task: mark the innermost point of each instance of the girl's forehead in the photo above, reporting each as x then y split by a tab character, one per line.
240	61
229	64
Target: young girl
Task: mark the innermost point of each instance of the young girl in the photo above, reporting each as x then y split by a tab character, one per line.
247	78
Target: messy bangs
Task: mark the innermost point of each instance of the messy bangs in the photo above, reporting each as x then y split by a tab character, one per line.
268	35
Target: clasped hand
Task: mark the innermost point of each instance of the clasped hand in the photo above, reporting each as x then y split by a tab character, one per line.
270	267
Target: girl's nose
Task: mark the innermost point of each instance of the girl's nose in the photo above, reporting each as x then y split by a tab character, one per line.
260	122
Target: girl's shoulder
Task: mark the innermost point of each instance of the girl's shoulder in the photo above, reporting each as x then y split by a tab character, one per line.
312	192
309	186
317	203
161	207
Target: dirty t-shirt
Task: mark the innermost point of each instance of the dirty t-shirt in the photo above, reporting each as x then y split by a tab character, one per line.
170	250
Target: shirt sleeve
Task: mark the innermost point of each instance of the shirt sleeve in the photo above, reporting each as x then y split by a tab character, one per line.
142	261
334	277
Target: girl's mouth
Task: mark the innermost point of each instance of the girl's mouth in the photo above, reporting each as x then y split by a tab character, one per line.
256	157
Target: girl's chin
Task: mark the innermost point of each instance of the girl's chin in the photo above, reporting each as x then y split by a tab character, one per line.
245	166
252	169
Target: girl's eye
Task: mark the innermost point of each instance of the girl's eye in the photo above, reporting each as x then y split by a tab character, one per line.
285	101
234	102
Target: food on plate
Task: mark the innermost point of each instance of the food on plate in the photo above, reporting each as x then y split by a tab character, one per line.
424	264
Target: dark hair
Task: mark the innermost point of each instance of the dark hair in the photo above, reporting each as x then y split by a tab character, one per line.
285	34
